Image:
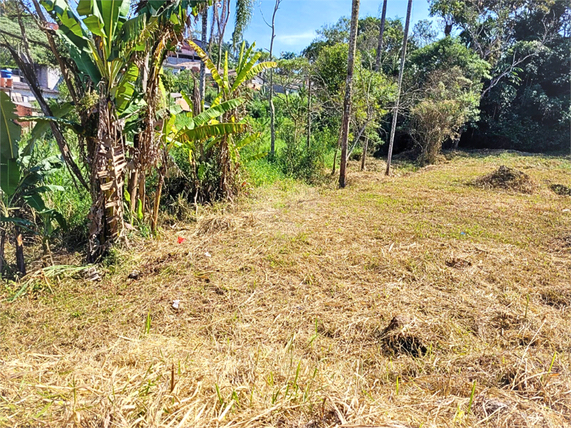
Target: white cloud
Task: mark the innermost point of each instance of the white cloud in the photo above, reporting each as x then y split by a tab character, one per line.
295	39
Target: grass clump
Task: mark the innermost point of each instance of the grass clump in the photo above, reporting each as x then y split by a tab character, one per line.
508	179
561	189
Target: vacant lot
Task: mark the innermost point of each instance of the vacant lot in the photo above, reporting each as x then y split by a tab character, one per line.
409	301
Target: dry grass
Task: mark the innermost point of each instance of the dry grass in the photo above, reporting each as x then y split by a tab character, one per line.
508	179
415	300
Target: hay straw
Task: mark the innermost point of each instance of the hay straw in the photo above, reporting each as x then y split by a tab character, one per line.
285	303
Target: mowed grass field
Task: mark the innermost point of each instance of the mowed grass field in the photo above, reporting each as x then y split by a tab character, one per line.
416	300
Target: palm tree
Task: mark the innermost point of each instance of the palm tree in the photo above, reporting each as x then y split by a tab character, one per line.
348	93
396	111
244	11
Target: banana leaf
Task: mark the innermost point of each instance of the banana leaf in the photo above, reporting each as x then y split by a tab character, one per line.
9	136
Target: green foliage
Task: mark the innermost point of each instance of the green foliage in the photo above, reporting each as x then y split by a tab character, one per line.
330	69
207	147
296	159
9	137
530	109
11	35
450	101
244	12
445	54
23	182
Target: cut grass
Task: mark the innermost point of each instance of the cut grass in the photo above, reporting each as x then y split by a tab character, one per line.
286	300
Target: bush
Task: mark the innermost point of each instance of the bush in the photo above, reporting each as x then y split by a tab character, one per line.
296	159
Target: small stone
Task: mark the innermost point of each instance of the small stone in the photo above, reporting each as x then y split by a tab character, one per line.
134	275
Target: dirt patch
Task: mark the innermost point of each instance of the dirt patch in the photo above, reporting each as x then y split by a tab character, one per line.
561	190
556	297
508	179
401	337
458	263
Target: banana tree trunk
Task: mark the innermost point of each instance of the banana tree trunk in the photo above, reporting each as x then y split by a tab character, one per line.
2	246
162	172
132	189
20	262
107	180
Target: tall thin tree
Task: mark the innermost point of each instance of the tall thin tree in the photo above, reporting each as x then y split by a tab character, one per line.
271	92
202	64
309	109
381	34
348	93
397	104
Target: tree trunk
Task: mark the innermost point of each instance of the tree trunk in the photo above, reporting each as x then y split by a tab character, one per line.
334	161
348	93
142	191
2	246
364	154
309	112
29	73
271	93
202	64
162	173
222	22
381	33
396	110
132	189
20	262
107	180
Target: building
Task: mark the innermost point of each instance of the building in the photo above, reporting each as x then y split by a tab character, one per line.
20	93
184	58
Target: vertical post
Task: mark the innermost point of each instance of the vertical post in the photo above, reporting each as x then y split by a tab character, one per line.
348	94
381	33
396	110
309	111
271	93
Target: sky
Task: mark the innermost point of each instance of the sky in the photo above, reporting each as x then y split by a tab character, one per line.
297	20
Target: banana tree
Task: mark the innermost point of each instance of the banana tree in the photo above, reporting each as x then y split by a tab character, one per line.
22	186
101	46
168	19
197	136
228	147
118	57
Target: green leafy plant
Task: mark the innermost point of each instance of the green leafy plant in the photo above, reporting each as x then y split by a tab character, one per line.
207	145
22	185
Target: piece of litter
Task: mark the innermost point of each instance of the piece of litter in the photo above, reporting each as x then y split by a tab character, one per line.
92	274
176	304
181	240
566	210
207	254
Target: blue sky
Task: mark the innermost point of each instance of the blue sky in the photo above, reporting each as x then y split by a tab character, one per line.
297	20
